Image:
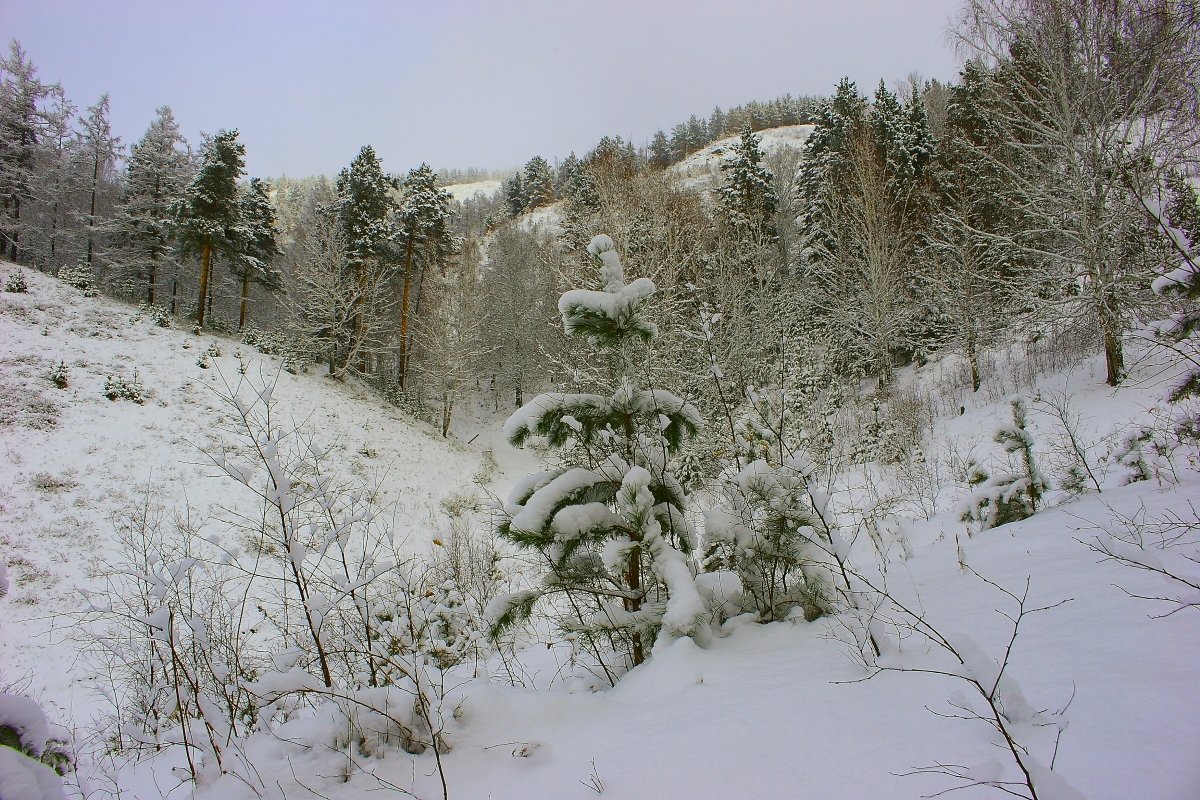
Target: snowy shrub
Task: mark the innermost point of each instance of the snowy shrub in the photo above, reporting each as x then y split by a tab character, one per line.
1131	455
487	468
59	375
45	482
1005	496
211	352
157	315
32	758
764	532
611	530
79	276
15	282
118	387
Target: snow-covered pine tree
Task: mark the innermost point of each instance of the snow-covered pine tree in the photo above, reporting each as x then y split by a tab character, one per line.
538	183
748	194
611	531
258	247
155	176
660	150
366	210
1007	496
1183	282
826	155
208	215
515	198
22	123
98	152
423	241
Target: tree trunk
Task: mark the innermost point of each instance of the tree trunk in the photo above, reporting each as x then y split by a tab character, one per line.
15	239
174	294
403	365
205	266
153	279
92	211
245	300
973	358
1114	356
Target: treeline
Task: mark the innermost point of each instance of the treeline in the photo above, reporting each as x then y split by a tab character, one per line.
1037	199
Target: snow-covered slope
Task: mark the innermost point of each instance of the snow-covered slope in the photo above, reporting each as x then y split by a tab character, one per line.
464	191
770	712
73	461
703	168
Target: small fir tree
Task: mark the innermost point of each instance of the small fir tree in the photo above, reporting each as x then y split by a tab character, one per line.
611	530
1007	496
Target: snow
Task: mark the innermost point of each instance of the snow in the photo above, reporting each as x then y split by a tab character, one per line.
759	711
25	718
466	191
703	168
22	778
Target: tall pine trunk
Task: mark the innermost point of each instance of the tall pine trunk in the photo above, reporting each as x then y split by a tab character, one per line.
245	299
153	279
205	266
92	211
408	259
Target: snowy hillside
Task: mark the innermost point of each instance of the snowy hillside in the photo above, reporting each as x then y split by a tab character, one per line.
1101	685
465	191
703	168
72	462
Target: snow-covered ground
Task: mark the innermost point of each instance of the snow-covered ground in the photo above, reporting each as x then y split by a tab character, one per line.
72	461
464	191
703	167
776	711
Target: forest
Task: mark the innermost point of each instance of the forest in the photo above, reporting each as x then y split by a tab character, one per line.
728	356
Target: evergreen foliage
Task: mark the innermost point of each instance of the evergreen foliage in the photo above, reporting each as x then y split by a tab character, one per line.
156	173
208	216
611	530
1009	495
748	195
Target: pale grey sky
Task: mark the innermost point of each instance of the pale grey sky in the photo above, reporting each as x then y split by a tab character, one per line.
460	82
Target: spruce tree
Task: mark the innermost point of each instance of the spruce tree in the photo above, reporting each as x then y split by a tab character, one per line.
22	125
609	529
208	216
515	198
155	176
748	194
538	183
423	241
258	247
660	150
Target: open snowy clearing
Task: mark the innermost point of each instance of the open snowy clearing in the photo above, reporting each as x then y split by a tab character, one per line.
465	191
703	168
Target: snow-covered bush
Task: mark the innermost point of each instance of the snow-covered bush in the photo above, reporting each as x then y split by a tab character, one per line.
157	315
15	282
59	375
1004	496
79	276
25	747
118	387
213	351
610	530
764	532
